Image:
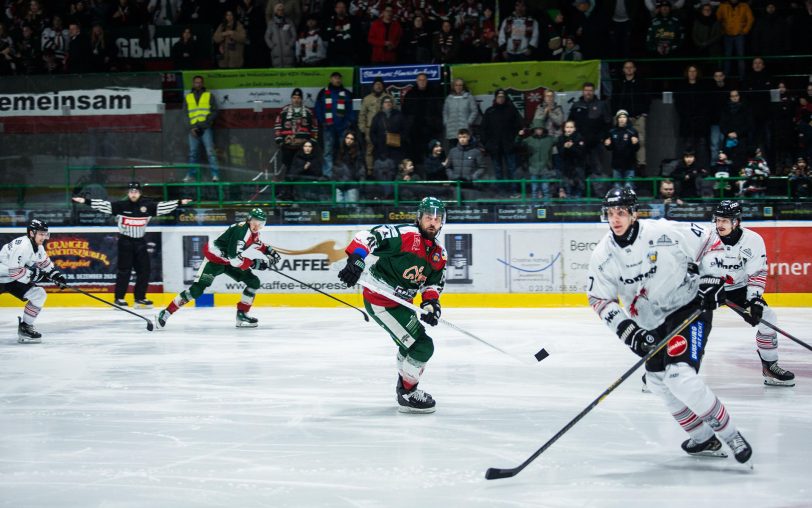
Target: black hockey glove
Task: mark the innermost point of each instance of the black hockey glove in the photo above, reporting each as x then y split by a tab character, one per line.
273	259
431	317
756	310
639	340
350	274
259	264
711	292
35	274
58	278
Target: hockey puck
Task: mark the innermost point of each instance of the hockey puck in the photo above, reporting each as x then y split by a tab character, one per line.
542	354
149	326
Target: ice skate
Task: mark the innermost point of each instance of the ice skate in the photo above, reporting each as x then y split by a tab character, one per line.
246	321
26	334
143	303
414	400
161	318
710	448
120	302
775	375
741	448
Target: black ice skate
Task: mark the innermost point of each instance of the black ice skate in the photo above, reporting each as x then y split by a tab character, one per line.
741	448
120	302
143	303
161	318
414	400
26	334
775	375
710	448
246	321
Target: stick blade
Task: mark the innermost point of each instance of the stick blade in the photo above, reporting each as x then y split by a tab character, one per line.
494	473
150	326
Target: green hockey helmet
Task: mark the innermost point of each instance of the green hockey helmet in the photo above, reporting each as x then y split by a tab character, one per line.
431	206
258	214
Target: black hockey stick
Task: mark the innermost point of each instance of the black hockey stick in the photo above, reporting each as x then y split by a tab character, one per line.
149	323
366	318
740	311
494	473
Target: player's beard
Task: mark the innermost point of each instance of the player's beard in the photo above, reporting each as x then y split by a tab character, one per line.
427	234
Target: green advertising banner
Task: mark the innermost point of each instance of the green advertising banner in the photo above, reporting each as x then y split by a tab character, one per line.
268	78
484	79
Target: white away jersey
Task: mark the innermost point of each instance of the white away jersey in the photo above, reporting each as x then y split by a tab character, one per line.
651	276
744	263
19	253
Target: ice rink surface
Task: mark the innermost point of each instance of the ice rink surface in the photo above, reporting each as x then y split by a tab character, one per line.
301	412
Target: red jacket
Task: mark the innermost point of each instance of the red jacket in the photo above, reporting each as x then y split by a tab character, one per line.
378	35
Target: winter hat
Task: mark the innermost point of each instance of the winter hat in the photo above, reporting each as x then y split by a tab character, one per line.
296	92
663	3
537	124
433	143
622	112
498	92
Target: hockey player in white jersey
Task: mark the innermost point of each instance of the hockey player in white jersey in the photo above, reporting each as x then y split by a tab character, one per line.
23	263
741	259
651	266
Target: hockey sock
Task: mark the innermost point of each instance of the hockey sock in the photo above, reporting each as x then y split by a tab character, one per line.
179	301
767	344
687	419
246	299
682	380
410	371
30	313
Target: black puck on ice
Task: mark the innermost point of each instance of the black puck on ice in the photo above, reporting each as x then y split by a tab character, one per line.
541	355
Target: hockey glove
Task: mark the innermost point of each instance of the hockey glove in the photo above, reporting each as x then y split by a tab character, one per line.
58	278
259	264
431	317
711	292
639	340
35	274
350	274
273	259
756	311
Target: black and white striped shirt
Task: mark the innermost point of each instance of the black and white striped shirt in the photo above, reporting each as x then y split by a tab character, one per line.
132	217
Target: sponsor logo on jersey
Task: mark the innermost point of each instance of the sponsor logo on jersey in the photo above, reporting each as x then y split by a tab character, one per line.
414	274
664	240
416	242
652	256
612	314
639	277
677	345
720	263
134	221
697	334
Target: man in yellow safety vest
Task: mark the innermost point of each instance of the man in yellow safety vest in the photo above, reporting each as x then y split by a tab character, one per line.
201	108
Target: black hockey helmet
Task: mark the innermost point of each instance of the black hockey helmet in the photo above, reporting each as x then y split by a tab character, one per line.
729	209
623	197
37	225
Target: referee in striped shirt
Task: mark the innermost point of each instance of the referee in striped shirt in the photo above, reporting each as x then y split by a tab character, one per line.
132	215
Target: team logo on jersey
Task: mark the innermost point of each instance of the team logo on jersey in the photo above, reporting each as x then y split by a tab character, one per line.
664	240
414	274
143	209
652	256
747	252
677	345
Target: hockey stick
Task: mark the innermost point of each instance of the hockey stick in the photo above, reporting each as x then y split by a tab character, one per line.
149	323
366	317
740	311
494	473
420	311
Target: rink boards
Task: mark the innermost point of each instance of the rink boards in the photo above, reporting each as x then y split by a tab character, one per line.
489	265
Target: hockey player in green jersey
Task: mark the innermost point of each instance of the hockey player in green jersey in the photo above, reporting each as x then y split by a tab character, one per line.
410	261
227	255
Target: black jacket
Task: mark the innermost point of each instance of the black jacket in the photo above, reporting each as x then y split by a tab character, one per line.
574	156
633	95
592	119
298	172
624	152
691	103
500	124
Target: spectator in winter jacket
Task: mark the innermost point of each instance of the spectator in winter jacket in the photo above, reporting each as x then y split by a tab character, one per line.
688	175
184	52
571	52
717	99
633	94
465	161
417	42
756	92
335	115
736	125
311	48
292	9
572	150
343	43
737	21
691	104
421	107
460	111
706	33
384	37
294	125
539	148
370	106
348	166
518	35
434	164
592	117
800	180
386	132
306	167
280	37
230	42
550	114
624	142
500	124
783	132
446	44
771	32
665	33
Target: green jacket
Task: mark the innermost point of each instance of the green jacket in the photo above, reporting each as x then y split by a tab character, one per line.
539	155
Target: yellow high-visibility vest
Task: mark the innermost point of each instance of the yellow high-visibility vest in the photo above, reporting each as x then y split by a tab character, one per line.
198	111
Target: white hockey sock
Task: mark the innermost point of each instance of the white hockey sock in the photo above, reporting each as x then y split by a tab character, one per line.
687	419
682	380
36	300
30	313
410	370
766	338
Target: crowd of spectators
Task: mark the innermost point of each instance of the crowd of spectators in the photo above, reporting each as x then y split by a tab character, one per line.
74	35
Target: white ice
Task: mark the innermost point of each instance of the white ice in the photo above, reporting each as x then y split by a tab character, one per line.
301	412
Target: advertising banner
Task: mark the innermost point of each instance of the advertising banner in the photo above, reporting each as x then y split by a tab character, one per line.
789	258
155	42
400	73
251	98
89	260
525	82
